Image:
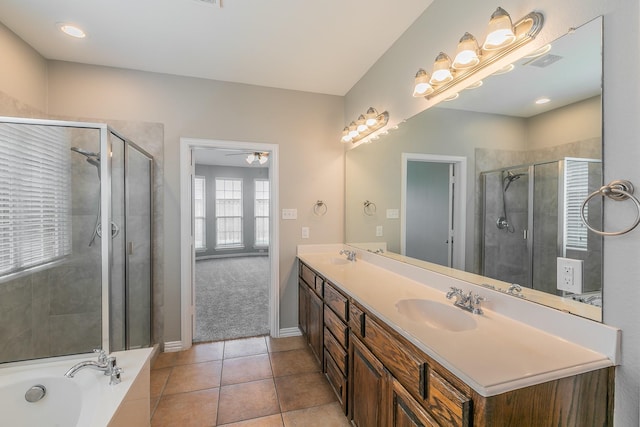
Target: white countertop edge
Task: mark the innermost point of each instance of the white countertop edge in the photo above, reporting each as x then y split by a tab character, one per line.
587	333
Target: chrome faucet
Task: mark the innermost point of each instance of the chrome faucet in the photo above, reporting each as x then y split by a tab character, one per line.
469	302
104	364
351	255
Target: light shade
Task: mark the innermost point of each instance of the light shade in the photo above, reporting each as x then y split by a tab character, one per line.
372	117
361	124
262	158
250	158
467	53
441	70
353	130
422	87
345	135
500	32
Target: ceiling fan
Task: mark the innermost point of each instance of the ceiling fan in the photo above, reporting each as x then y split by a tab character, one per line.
260	157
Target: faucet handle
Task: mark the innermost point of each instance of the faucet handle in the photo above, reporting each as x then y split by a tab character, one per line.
102	355
115	376
475	302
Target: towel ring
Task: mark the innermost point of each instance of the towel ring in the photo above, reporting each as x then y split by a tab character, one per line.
320	208
618	190
369	208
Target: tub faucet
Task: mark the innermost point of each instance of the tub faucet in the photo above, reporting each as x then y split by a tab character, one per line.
104	364
351	255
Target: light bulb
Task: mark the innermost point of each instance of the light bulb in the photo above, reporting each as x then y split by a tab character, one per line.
421	85
441	70
500	33
467	53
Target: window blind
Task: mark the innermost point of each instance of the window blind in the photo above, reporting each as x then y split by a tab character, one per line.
35	196
199	202
228	212
261	212
576	191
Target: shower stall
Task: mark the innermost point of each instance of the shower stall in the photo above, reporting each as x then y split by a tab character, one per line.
531	216
75	239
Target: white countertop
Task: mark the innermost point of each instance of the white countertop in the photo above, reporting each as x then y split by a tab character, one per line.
500	354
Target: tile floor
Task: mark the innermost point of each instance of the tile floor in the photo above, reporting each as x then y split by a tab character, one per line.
252	382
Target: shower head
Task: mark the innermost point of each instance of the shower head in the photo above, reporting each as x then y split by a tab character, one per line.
86	153
510	177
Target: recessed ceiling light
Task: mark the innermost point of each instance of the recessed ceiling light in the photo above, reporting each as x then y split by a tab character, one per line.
542	100
72	30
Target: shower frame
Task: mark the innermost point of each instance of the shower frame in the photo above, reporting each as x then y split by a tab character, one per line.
106	249
529	232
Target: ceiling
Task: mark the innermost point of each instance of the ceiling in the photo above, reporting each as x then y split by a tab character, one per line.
317	47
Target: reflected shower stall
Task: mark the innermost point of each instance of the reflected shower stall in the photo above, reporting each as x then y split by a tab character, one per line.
68	282
535	209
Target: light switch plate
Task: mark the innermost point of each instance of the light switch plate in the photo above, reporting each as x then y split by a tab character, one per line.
393	213
379	231
289	213
569	275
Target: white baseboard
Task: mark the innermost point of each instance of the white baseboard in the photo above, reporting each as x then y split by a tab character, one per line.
290	332
172	346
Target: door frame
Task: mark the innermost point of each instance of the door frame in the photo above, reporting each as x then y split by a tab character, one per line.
187	247
459	202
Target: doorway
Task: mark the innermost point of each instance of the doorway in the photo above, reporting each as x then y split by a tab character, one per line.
229	240
433	208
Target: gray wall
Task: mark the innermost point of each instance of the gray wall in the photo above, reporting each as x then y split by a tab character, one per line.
247	175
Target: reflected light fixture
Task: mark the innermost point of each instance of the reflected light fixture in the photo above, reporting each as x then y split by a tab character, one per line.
500	32
260	157
503	38
72	30
364	126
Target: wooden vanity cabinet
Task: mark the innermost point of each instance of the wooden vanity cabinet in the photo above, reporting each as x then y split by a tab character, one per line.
336	341
368	399
310	309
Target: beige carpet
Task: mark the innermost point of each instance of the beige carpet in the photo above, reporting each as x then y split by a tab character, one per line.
231	298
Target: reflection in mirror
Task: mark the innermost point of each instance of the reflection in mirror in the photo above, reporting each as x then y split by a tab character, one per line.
522	158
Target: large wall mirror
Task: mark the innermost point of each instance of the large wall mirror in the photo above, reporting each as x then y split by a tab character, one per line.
488	186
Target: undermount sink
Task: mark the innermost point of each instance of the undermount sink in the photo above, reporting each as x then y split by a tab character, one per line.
436	314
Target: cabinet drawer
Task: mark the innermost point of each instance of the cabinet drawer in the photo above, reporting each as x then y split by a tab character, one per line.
336	326
403	364
336	351
337	380
336	301
445	402
311	278
356	320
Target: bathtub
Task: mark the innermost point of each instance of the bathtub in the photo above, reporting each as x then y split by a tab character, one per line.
87	400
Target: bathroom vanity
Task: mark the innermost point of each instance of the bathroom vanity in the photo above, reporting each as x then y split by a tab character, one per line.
398	353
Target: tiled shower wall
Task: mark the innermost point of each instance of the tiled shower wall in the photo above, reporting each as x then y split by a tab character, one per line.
57	311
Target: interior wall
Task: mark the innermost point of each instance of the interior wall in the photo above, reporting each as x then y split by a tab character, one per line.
23	76
306	126
387	85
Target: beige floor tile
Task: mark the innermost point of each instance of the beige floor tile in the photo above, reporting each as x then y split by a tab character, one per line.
293	362
318	416
246	369
285	344
158	381
164	360
203	352
270	421
244	347
246	401
193	409
303	391
197	376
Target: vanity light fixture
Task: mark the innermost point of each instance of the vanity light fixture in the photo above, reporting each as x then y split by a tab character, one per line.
503	37
364	126
72	30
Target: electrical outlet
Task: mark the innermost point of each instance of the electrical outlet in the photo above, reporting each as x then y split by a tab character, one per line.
305	232
379	231
569	275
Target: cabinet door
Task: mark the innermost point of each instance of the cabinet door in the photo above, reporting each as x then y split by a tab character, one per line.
405	411
303	310
315	325
368	385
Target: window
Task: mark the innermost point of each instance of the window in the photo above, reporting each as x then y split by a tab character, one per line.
35	196
261	212
200	213
228	213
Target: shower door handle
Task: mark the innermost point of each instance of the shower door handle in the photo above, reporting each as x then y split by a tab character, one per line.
525	234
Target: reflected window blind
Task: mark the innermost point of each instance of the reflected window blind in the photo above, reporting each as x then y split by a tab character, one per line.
35	196
576	191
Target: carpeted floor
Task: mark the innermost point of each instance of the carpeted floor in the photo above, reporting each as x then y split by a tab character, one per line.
232	298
